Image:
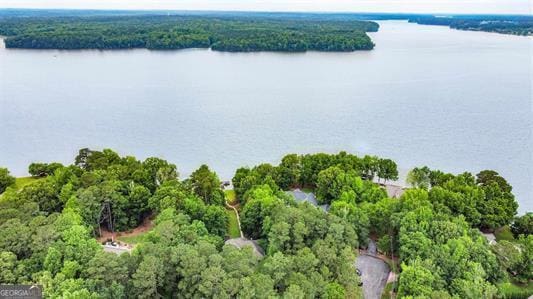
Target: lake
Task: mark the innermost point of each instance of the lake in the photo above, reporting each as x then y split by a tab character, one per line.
426	95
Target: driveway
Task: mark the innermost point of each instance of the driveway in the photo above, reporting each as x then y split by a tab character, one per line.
374	275
372	248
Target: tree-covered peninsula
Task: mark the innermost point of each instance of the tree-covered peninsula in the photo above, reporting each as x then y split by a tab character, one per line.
52	224
505	24
233	33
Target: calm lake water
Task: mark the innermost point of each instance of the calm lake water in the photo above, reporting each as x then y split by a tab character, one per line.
426	95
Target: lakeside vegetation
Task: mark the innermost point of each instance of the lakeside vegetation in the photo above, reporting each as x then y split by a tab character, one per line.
516	25
165	32
48	230
222	31
48	233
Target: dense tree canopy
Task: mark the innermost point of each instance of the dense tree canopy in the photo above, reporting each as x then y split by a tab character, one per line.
507	24
221	33
43	169
433	228
523	225
206	184
304	171
48	229
485	200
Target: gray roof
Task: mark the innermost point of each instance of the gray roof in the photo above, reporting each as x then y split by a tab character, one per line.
393	191
243	242
310	197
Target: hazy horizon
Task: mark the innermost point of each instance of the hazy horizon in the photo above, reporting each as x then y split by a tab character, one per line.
362	6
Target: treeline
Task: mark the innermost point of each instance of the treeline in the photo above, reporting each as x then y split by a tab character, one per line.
485	200
517	25
304	170
332	175
433	227
48	230
160	32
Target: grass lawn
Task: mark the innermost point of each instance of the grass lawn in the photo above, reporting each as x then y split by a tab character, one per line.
132	239
504	233
233	225
513	290
307	189
23	181
231	197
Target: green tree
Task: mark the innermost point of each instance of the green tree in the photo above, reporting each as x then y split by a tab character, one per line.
486	177
106	274
206	184
387	169
8	264
419	177
216	220
524	270
416	281
257	285
498	207
146	279
509	255
330	184
14	237
523	225
6	179
334	291
159	171
353	215
44	193
288	171
43	169
259	204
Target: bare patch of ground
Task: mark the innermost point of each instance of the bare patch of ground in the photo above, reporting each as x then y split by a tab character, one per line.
146	226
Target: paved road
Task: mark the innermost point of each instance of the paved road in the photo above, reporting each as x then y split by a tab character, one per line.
374	275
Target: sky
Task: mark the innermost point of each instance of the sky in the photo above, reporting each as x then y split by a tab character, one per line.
415	6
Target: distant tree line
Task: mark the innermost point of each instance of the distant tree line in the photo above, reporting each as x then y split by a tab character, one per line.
159	32
517	25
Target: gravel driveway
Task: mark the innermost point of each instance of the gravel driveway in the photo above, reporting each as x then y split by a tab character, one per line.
374	275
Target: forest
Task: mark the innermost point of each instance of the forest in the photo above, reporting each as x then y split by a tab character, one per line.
49	223
517	25
232	33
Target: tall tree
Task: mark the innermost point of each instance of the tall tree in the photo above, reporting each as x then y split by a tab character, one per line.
6	179
206	184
